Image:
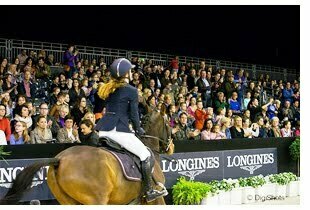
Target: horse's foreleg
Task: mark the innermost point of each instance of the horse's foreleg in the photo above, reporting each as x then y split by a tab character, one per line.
158	201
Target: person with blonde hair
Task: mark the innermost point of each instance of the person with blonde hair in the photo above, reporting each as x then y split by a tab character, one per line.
90	116
20	135
237	130
63	112
121	105
216	130
225	125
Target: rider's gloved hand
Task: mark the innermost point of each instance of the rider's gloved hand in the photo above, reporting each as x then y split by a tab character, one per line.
140	131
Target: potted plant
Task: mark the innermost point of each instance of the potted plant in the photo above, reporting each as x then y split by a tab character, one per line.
269	188
223	188
236	192
292	188
248	192
294	150
189	192
281	180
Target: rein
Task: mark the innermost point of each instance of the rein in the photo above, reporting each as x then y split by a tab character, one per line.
159	139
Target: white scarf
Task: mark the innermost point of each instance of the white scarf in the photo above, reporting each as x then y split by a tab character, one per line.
27	120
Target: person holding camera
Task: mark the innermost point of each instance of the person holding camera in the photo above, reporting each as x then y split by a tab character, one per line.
70	59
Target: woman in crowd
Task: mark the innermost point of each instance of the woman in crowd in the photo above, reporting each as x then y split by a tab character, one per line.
220	113
8	85
297	130
20	135
17	63
90	116
23	116
216	129
192	108
31	108
275	130
286	130
54	112
85	87
247	115
246	100
63	112
88	136
172	115
29	66
207	133
3	66
75	92
188	99
151	104
229	115
79	110
237	130
20	100
7	101
157	94
41	134
225	125
262	129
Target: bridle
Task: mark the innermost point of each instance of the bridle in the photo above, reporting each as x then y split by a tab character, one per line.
166	142
159	139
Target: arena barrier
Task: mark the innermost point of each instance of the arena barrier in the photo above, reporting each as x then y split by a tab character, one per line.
197	160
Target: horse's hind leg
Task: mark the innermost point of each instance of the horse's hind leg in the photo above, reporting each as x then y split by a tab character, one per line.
62	197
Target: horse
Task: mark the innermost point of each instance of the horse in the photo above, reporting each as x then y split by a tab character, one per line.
92	176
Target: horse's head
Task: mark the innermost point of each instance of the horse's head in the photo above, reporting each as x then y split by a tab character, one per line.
157	125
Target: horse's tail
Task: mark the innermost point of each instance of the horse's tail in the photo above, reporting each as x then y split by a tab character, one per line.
23	181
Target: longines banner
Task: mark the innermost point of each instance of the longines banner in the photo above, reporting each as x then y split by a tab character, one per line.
199	166
39	189
206	166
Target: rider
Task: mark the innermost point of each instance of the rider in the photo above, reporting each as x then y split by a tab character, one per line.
121	105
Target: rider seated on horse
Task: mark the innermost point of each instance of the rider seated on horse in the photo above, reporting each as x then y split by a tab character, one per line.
121	105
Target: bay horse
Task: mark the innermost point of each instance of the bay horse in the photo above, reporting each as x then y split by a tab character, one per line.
92	176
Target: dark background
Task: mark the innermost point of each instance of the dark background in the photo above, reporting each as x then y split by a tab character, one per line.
267	35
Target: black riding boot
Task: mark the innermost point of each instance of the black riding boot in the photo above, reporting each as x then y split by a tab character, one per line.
151	194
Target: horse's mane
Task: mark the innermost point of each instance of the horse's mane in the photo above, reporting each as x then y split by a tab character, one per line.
148	120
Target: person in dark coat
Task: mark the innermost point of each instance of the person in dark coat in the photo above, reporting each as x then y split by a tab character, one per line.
121	105
88	136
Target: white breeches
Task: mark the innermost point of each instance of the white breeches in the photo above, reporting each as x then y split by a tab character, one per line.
129	141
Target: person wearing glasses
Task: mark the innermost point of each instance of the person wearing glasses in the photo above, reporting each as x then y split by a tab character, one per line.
69	133
20	135
51	122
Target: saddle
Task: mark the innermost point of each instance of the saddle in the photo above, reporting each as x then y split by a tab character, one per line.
130	163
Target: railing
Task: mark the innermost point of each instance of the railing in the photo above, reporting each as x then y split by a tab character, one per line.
10	48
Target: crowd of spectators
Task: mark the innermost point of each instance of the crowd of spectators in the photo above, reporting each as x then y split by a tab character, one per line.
200	101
